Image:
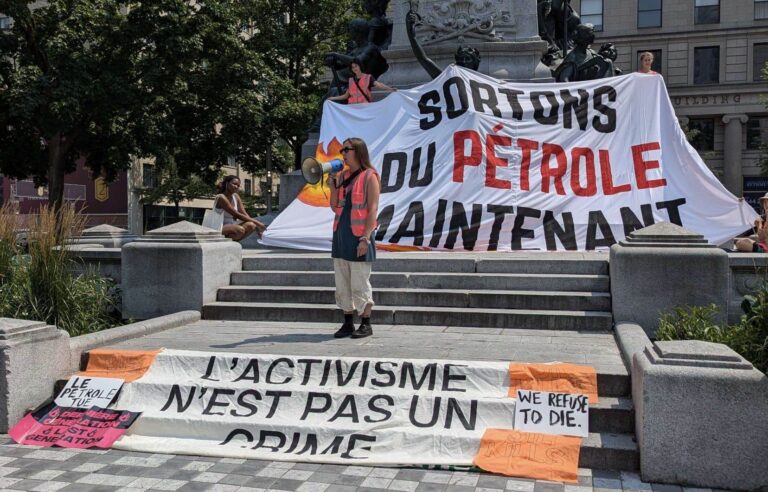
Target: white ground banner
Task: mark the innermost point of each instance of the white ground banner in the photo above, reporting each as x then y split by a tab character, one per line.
326	409
469	162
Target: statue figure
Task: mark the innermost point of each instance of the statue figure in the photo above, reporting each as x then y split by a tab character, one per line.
361	48
465	56
380	26
363	36
557	24
582	62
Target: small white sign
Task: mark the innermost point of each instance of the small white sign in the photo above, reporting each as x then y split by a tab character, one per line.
552	413
87	392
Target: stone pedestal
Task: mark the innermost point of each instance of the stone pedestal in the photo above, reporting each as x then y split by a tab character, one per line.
732	168
701	416
105	235
175	268
290	186
33	356
515	55
662	267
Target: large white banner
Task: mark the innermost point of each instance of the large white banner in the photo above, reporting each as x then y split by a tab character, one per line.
469	162
327	409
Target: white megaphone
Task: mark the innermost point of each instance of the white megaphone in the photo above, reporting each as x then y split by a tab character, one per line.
313	170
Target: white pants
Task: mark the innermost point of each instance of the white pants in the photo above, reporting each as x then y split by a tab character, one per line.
353	285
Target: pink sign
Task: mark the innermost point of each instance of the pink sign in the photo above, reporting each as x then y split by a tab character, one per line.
72	427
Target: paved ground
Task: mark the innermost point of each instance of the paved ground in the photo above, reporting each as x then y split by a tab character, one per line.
50	469
400	341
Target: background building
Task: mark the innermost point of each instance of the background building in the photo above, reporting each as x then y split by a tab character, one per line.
710	53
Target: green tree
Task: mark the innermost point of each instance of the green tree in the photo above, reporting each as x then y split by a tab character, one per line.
294	36
174	187
67	85
109	80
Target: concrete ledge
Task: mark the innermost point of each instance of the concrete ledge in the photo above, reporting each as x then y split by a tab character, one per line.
631	339
747	275
83	343
33	356
96	257
701	416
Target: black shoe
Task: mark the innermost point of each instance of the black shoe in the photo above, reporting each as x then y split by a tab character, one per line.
365	330
346	330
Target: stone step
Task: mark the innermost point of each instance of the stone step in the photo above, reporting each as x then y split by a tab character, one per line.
416	315
473	281
449	263
495	299
609	451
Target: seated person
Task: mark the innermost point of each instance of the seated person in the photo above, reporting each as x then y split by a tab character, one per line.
229	202
750	245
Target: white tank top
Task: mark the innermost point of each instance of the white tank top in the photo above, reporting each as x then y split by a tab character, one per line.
228	219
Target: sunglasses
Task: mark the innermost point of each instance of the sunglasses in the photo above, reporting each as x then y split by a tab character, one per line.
346	149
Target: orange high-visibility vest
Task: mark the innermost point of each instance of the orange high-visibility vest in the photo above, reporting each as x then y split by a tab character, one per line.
355	96
359	202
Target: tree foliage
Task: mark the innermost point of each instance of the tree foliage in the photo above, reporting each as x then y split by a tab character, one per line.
294	36
108	80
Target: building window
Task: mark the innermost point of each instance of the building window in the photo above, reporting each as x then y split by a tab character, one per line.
149	177
5	23
759	60
704	137
707	12
706	65
648	13
656	65
247	187
761	9
592	13
757	132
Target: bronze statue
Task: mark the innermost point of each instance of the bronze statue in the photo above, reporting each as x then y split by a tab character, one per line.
380	27
557	23
584	63
465	56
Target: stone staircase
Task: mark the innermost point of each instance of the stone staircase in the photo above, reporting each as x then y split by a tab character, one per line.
537	296
537	293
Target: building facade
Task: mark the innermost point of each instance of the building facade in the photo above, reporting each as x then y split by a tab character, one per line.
711	54
102	202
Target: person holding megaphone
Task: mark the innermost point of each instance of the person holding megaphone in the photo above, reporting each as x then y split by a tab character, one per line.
355	203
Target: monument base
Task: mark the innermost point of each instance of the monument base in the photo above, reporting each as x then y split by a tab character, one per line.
516	60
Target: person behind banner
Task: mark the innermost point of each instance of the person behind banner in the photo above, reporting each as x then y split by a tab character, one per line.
758	242
359	86
646	61
229	202
355	204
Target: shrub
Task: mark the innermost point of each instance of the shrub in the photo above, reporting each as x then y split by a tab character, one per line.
749	337
41	285
690	323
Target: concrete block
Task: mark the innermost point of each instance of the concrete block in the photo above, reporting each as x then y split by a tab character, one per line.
662	267
106	235
176	268
290	186
33	357
748	272
701	416
631	339
99	259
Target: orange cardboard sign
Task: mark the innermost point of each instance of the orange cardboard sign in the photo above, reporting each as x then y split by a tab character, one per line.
529	454
129	365
554	378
